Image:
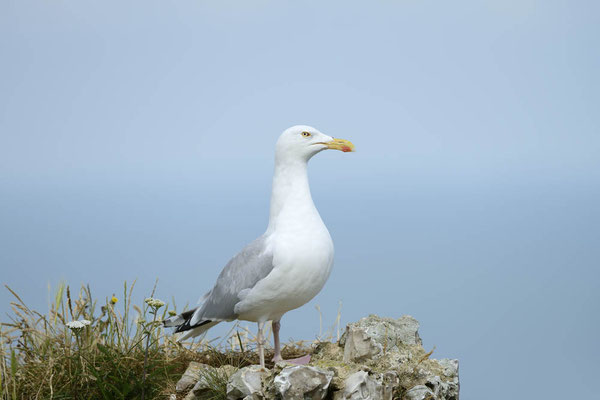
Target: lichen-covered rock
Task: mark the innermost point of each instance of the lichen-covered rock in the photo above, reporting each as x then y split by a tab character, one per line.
420	392
448	386
246	382
373	336
302	382
190	376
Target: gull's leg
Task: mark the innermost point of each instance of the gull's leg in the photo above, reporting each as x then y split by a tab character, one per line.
276	325
260	338
298	361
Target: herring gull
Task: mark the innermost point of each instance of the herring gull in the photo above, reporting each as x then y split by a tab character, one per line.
287	265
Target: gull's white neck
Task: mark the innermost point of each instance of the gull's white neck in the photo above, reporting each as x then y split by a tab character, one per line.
291	202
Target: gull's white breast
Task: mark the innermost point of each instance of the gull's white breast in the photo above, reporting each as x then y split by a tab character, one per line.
302	258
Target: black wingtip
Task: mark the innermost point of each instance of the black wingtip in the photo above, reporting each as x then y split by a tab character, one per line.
186	325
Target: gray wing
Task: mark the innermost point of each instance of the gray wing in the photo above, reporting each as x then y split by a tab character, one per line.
243	271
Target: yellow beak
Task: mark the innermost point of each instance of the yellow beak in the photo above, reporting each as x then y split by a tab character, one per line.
339	144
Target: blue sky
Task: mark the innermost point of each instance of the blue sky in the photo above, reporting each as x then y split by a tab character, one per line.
136	142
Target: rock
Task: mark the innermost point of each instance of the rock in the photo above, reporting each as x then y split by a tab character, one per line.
373	336
190	376
201	387
390	382
208	378
302	382
246	382
362	386
450	367
191	396
419	392
448	387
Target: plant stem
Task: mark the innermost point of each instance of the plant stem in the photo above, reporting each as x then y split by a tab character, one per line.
148	334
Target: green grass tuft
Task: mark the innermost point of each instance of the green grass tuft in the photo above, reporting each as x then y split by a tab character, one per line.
114	357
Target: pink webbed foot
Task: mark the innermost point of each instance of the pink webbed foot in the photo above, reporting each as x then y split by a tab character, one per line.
298	361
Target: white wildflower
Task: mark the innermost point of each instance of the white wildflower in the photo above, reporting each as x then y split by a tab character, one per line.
154	303
77	325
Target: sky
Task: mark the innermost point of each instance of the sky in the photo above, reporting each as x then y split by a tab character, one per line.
137	138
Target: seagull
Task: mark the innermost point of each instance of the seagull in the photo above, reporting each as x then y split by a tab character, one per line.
286	266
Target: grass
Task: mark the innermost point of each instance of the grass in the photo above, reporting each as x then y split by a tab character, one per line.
123	353
114	357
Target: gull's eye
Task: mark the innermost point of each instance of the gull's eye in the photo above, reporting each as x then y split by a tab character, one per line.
306	134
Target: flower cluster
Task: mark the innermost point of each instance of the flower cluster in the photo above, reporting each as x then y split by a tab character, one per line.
154	303
77	325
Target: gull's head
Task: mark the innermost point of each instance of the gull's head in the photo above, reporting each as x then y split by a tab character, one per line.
301	142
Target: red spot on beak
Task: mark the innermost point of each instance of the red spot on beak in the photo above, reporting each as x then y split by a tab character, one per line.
346	149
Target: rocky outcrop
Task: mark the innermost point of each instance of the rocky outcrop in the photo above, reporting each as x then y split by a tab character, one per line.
376	359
